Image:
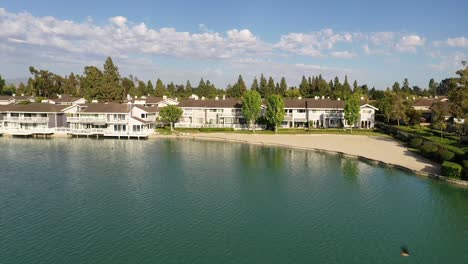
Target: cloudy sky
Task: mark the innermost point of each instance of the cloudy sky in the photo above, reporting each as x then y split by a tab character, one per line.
375	43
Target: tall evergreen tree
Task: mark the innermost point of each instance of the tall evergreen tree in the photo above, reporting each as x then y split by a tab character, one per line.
142	89
254	86
188	89
432	87
129	86
171	90
92	84
270	87
111	82
149	87
304	87
263	86
406	87
160	89
283	87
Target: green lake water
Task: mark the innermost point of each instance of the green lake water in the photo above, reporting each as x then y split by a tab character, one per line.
110	201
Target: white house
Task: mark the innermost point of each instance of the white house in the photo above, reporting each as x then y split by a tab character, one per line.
323	113
154	101
67	100
111	120
211	113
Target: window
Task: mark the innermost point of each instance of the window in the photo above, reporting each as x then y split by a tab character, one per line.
144	115
301	110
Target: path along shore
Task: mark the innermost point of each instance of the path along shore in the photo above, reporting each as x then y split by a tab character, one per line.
374	148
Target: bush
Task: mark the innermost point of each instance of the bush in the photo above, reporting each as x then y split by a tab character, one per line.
451	169
416	142
465	170
445	155
215	129
428	149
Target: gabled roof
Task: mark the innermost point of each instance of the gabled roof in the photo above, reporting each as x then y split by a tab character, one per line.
424	102
148	109
66	99
105	108
313	103
207	103
33	108
6	97
141	120
370	106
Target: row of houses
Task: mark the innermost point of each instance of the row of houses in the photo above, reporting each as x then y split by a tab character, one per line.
138	116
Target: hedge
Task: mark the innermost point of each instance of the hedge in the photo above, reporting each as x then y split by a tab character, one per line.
465	170
451	169
428	149
445	155
416	142
215	129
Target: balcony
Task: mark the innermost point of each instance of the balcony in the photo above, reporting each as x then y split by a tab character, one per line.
22	119
86	120
117	121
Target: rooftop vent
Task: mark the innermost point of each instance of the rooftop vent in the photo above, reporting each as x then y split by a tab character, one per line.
94	101
299	98
164	97
216	98
224	97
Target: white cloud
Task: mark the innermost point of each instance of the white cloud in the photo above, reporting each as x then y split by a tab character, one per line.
120	21
460	42
312	44
343	54
410	43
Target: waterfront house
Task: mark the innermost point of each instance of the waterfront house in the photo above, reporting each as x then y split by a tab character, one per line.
32	119
14	99
221	113
320	112
110	120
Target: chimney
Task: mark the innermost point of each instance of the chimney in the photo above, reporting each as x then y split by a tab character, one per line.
362	97
316	97
94	101
216	98
129	97
59	96
14	95
22	94
414	98
224	97
338	99
299	98
323	97
164	97
203	97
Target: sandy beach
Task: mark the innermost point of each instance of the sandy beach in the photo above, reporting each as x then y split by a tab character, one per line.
379	149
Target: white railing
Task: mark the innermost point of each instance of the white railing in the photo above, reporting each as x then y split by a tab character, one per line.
111	120
29	131
234	126
89	131
27	119
86	119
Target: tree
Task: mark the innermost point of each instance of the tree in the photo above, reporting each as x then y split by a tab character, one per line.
355	86
238	89
251	107
263	86
149	87
304	87
406	87
142	89
438	117
129	86
270	87
458	98
254	85
188	89
170	114
398	108
414	117
352	109
91	83
293	93
283	87
2	84
171	90
275	111
160	89
396	87
111	82
22	89
432	87
71	84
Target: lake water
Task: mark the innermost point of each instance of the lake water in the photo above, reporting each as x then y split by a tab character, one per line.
110	201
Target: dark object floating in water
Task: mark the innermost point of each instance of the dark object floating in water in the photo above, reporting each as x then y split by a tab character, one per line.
404	251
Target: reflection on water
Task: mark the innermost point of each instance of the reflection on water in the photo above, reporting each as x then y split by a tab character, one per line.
185	201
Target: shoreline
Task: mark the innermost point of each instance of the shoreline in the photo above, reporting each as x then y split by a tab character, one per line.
405	161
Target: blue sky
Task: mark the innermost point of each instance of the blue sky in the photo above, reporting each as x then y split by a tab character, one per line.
375	42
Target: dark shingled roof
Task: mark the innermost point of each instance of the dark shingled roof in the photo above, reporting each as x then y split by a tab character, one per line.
424	102
227	103
148	109
105	108
6	97
33	108
313	103
66	99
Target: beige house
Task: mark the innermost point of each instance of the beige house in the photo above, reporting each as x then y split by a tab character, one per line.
67	100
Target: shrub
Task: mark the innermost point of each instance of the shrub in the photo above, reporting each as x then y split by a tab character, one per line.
214	129
428	149
416	142
445	155
451	169
465	170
